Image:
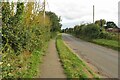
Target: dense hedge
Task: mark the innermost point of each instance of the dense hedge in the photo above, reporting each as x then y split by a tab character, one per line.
23	32
91	31
17	34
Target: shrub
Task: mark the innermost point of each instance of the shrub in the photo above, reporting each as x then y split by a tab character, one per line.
22	32
105	35
91	31
78	29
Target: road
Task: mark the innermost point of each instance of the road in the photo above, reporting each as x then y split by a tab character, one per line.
104	60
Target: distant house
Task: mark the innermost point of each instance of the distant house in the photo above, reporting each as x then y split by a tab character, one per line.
113	29
109	29
117	30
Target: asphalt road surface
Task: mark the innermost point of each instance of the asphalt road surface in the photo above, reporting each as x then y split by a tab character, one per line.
104	60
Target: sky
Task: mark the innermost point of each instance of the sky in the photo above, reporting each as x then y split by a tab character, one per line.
75	12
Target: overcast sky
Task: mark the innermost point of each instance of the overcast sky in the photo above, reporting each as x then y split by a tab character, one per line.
75	12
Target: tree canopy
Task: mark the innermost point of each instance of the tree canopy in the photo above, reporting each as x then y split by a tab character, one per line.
110	24
100	22
55	22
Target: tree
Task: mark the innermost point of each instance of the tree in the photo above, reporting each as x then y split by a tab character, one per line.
110	24
5	13
100	22
55	22
12	8
23	30
70	30
78	29
91	31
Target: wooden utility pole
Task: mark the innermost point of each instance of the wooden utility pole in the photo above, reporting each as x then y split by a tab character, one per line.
93	13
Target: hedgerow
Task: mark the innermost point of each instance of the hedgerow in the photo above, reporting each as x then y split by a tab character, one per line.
23	32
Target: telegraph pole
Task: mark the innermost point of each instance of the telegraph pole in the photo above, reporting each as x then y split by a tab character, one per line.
93	13
44	10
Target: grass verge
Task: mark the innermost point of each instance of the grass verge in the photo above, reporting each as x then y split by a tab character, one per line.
34	63
113	44
108	43
73	66
25	65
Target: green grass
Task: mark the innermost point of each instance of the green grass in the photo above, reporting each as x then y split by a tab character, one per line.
73	66
35	61
108	43
33	64
113	44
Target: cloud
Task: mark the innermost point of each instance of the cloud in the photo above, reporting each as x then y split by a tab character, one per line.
119	14
74	11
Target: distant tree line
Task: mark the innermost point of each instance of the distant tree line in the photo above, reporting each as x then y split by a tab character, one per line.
93	30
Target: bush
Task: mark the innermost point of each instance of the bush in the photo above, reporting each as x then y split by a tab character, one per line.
105	35
109	36
22	34
91	31
78	29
